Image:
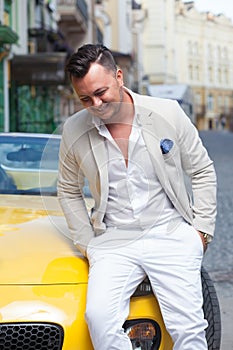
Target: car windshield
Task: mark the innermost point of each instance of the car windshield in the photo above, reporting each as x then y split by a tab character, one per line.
28	164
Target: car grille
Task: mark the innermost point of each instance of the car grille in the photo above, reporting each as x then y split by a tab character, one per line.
31	336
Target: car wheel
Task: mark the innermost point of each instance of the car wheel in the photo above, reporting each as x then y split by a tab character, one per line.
211	311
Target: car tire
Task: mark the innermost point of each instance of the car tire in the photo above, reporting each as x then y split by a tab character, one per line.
211	311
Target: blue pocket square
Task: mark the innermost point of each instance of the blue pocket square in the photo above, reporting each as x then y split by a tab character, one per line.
166	145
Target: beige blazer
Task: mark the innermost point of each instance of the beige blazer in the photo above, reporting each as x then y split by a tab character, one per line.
83	154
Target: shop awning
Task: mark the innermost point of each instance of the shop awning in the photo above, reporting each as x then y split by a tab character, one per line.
7	35
46	68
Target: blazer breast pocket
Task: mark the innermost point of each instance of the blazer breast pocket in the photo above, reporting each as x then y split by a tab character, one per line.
173	168
173	152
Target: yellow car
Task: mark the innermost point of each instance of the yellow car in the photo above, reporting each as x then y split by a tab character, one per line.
43	278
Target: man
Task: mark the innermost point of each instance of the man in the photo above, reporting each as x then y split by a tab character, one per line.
135	151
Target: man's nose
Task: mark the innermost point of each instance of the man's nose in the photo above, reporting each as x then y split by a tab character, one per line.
96	101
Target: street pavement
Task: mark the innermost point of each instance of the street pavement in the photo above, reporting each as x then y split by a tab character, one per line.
218	259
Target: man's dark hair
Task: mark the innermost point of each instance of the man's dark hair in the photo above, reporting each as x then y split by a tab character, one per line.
79	63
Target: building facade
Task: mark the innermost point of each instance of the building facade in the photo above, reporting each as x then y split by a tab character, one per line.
33	54
36	39
7	38
155	42
184	46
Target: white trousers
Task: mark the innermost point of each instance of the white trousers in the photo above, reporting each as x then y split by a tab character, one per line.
120	260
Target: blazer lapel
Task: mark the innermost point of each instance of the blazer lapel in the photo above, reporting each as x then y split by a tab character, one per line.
151	134
100	155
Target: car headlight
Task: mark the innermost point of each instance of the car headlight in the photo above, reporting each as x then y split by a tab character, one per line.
146	332
143	289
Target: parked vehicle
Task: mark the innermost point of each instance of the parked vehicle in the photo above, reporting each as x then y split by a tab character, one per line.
43	278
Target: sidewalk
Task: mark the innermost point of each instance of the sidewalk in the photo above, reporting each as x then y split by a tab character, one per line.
226	306
225	296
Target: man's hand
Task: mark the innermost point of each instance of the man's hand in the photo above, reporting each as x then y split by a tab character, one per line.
205	245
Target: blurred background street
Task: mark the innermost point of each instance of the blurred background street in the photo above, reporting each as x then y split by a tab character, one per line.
218	259
166	48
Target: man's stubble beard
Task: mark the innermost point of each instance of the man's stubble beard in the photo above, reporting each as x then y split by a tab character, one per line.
116	109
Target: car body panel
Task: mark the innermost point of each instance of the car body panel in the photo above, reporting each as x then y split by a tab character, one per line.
62	304
34	248
65	304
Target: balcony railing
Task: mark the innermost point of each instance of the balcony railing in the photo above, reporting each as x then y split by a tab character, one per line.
200	110
7	35
80	5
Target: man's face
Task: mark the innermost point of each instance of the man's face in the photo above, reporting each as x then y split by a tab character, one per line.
100	90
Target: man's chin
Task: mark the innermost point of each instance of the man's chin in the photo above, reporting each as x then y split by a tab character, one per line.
107	114
103	115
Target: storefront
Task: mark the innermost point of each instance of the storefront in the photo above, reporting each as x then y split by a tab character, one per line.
35	98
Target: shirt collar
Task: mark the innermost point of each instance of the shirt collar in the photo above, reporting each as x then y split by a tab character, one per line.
98	123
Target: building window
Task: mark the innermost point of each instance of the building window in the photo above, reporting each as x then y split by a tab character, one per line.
210	102
195	48
220	104
197	73
190	48
225	53
210	74
198	99
219	52
198	102
226	104
220	75
210	51
226	76
190	72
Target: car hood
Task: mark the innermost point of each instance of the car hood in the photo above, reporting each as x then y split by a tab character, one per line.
35	246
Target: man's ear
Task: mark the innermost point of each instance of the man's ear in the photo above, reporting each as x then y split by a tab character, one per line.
119	76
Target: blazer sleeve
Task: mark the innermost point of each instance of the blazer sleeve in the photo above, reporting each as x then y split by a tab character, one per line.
70	194
200	169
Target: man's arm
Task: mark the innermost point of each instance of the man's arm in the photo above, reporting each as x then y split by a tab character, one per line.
70	195
199	167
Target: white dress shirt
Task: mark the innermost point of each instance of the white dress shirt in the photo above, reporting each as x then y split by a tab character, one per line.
136	200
